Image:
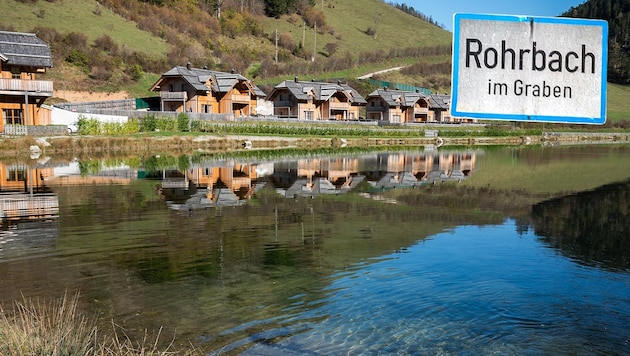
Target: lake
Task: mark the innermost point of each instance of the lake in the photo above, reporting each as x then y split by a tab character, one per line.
421	251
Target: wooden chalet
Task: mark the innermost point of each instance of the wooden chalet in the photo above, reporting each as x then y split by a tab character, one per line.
22	57
399	106
316	100
205	91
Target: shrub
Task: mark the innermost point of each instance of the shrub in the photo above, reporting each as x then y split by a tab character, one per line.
183	122
148	123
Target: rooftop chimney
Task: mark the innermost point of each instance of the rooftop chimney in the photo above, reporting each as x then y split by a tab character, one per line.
188	65
295	79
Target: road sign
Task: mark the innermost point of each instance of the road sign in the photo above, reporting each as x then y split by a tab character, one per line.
521	68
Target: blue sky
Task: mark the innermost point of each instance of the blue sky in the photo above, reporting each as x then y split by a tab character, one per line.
442	10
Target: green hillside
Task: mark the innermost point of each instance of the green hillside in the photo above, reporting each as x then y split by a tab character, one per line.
82	16
350	21
149	39
113	45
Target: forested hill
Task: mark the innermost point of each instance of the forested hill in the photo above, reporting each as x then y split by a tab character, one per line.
617	13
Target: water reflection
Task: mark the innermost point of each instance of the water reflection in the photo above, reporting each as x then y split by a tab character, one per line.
592	227
230	254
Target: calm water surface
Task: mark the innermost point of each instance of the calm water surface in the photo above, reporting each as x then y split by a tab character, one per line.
493	251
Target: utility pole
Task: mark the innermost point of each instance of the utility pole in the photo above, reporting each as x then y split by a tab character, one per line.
304	36
314	41
276	45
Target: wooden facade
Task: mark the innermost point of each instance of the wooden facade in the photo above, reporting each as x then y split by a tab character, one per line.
23	56
187	89
397	106
316	100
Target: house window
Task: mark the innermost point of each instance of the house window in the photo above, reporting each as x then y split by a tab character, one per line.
206	109
16	73
13	116
16	175
308	115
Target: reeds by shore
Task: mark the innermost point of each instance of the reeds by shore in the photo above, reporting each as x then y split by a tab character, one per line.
56	328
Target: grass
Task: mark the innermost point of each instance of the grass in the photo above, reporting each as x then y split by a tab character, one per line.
56	328
618	105
394	29
81	16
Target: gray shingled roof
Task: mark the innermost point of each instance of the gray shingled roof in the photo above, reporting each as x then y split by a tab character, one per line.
397	97
221	82
319	91
24	49
439	101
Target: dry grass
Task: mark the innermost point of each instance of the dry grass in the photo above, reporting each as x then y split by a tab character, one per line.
56	328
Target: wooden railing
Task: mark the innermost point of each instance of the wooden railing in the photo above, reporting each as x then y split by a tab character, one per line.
33	87
240	98
174	95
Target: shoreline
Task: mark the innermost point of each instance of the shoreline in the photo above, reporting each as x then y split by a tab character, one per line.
115	145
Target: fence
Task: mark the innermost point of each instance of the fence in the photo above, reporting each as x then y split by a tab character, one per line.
398	86
39	130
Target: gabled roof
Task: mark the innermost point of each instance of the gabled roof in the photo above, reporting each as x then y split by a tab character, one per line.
219	82
397	97
318	91
439	101
24	49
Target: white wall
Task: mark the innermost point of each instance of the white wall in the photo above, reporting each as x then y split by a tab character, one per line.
64	117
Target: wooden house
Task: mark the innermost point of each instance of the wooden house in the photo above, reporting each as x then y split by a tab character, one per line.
399	106
22	57
205	91
316	100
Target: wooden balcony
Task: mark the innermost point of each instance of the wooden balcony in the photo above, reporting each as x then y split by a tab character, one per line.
241	98
339	106
39	88
174	95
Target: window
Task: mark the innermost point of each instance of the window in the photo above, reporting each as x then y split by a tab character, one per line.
12	116
16	73
308	115
16	175
207	109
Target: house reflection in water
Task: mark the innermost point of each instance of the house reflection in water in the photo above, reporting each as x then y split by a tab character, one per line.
233	183
225	184
28	209
23	195
311	177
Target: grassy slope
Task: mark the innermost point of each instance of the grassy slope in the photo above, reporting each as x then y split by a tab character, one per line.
350	20
618	102
79	16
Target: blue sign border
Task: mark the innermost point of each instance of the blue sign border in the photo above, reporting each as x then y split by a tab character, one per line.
523	117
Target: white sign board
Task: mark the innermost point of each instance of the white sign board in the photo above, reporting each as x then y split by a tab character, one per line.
519	68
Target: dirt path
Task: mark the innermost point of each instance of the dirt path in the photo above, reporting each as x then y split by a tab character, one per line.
83	96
